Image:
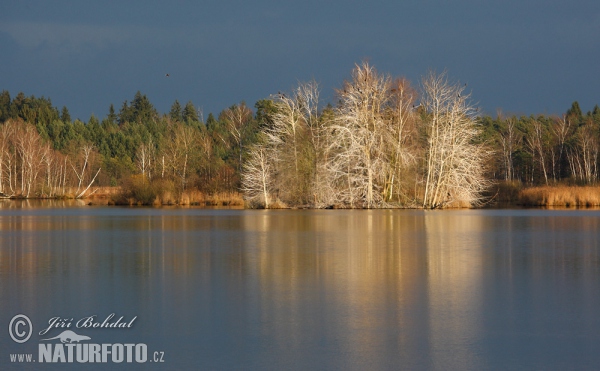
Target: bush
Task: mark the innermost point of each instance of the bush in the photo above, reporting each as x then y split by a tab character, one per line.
138	190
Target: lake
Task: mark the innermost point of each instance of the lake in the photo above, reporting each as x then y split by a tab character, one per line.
301	289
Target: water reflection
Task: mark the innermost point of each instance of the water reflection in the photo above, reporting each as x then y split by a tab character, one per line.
455	256
304	289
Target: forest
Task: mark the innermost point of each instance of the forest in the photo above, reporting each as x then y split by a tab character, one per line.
383	143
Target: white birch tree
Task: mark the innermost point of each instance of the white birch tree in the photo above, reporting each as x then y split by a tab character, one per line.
6	154
561	129
359	138
509	140
535	142
236	119
180	152
31	153
257	176
85	160
453	163
403	147
144	157
586	154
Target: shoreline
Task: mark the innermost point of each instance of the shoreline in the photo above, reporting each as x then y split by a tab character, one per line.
506	196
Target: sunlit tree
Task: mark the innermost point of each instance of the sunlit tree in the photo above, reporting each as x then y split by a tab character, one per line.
453	166
258	176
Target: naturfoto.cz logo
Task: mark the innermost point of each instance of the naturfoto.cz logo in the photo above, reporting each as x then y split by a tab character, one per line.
72	347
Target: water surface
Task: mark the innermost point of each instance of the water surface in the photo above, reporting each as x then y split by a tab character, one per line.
312	289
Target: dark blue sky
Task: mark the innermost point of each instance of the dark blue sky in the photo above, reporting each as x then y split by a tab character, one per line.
521	56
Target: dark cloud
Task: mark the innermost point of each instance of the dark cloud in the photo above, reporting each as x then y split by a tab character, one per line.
528	56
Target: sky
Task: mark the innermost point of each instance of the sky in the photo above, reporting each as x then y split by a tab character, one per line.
517	56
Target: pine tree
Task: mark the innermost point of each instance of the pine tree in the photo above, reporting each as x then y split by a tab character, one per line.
112	117
575	112
211	122
189	115
65	116
175	113
4	106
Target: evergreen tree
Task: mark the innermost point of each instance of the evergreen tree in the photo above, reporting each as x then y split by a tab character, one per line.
143	110
189	115
65	116
43	111
265	109
17	105
175	113
112	117
575	112
211	122
95	133
125	114
596	114
4	106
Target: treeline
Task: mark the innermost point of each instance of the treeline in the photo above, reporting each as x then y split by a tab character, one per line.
383	143
545	150
43	153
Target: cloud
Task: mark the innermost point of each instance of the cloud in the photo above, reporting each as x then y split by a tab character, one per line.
79	39
32	35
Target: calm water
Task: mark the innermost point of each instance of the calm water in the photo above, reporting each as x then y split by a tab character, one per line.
303	290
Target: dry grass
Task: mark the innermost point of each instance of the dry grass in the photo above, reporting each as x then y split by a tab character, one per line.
192	198
137	190
101	192
197	198
224	199
167	198
278	204
565	196
458	204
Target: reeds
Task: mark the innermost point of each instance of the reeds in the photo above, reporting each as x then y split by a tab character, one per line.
564	196
186	198
506	194
195	197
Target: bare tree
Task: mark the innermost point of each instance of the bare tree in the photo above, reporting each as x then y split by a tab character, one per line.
237	118
82	164
403	147
257	176
307	97
85	160
56	171
49	162
454	163
180	152
288	126
535	142
561	129
144	157
360	135
288	136
584	159
207	151
509	140
31	153
6	155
